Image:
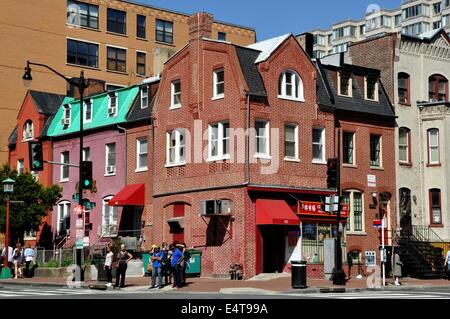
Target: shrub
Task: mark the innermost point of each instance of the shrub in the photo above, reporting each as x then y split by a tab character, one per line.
66	262
51	264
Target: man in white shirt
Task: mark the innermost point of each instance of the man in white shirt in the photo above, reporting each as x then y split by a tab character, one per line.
29	257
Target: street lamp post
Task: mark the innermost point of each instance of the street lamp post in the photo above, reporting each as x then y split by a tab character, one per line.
81	84
8	187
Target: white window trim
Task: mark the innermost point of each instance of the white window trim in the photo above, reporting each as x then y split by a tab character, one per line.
28	128
215	95
220	138
85	111
351	213
407	161
177	161
284	96
353	164
142	97
322	160
350	85
381	152
138	144
172	95
117	103
296	158
106	160
116	223
66	212
375	93
267	137
436	146
67	107
61	179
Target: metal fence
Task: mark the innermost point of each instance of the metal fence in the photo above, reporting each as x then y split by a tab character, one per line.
59	257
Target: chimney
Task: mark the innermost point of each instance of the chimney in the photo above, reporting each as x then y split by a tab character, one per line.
200	25
306	41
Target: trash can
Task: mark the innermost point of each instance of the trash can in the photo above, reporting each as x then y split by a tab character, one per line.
298	274
145	261
193	268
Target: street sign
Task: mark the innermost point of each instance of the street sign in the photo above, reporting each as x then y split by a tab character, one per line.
79	223
79	243
377	223
75	197
78	210
79	234
371	180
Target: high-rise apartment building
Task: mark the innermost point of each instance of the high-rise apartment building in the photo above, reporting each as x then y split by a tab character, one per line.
413	17
117	42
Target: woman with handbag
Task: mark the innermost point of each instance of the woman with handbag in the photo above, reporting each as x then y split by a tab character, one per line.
123	257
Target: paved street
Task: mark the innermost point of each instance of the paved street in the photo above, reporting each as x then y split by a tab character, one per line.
15	291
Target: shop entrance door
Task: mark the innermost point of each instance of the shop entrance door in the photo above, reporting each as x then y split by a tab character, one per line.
273	239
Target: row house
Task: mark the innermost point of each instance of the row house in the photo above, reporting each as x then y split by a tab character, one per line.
104	144
36	109
416	70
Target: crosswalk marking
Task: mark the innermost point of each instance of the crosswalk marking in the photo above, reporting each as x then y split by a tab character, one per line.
11	292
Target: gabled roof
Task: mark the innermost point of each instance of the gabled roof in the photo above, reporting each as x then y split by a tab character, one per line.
100	117
46	103
267	47
327	94
247	58
428	36
12	139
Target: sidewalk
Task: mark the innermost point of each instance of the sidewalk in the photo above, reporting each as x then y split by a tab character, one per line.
275	283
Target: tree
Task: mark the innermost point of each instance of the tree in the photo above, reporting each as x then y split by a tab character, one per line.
37	201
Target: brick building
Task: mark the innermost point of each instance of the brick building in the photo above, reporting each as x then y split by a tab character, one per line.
235	195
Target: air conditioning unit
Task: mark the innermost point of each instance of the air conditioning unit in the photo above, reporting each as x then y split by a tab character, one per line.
214	207
111	110
113	230
110	169
225	206
65	121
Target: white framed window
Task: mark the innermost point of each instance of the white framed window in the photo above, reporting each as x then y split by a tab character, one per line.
66	115
65	157
110	167
110	219
290	86
112	104
375	151
348	148
141	154
176	148
403	144
291	142
20	166
371	88
345	84
28	131
318	145
355	201
63	222
433	146
262	149
218	141
86	153
219	84
175	93
87	108
144	97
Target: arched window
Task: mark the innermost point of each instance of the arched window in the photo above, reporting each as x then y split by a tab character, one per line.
110	220
403	88
290	86
28	131
404	142
63	223
437	88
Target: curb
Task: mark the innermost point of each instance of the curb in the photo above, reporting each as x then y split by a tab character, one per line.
38	284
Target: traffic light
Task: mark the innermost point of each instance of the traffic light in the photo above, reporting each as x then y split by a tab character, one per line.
86	175
332	172
36	157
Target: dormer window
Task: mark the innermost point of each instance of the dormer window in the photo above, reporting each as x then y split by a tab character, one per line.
344	84
290	86
87	114
175	89
66	116
28	131
371	88
144	97
112	103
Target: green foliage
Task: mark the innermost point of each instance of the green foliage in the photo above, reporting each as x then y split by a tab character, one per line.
67	261
37	200
51	264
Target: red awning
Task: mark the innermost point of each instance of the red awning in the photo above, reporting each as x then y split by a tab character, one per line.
275	212
130	195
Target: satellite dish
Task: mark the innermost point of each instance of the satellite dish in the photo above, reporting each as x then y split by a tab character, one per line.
372	8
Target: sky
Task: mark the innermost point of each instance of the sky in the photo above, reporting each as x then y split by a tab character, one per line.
271	18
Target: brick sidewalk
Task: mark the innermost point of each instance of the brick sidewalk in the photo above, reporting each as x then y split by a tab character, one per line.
280	284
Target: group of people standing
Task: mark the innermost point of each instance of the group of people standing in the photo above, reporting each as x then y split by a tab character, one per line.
166	261
17	257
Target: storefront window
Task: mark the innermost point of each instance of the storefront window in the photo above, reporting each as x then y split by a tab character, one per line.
313	236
